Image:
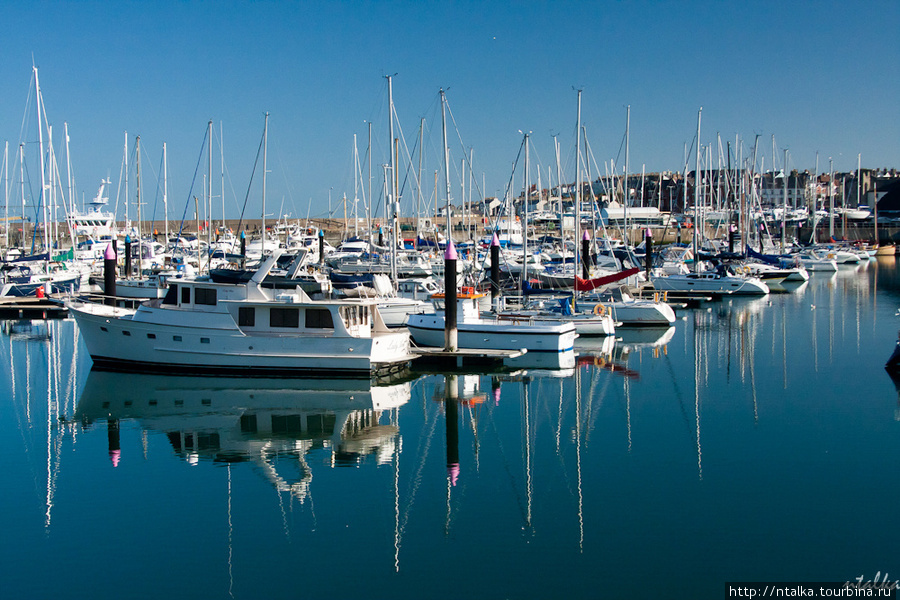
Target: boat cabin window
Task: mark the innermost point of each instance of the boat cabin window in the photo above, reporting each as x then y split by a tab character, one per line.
205	296
185	295
246	316
171	294
284	317
319	318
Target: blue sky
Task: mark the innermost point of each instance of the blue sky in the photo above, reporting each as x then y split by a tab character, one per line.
819	76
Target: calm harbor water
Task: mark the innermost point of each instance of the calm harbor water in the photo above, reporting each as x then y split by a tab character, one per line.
758	440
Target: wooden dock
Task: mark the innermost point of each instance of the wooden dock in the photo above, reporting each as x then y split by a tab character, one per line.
462	359
31	307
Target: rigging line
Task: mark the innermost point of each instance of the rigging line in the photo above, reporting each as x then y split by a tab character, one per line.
287	182
506	466
250	184
595	414
187	202
416	477
465	154
27	112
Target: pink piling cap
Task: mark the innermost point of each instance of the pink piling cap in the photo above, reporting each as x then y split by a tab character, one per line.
495	241
110	253
114	457
453	473
450	254
585	237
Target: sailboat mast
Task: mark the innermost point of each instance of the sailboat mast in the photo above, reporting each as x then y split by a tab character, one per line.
125	163
419	181
525	196
166	192
626	190
222	170
830	198
355	188
137	196
784	183
22	185
209	183
6	190
577	187
265	169
446	160
697	194
391	199
37	88
559	193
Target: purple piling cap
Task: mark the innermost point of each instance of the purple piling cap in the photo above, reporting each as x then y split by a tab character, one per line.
453	473
450	254
649	233
495	241
586	237
110	253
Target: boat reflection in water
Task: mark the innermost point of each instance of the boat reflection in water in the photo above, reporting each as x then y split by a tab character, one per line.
262	421
549	364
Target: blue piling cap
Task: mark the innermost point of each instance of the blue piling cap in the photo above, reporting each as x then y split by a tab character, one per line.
127	239
243	236
321	233
450	254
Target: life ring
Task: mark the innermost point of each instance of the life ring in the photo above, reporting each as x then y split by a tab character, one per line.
599	310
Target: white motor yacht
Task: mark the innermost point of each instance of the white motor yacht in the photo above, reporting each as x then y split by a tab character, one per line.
245	329
479	332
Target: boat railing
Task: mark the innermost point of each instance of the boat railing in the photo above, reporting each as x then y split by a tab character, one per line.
100	299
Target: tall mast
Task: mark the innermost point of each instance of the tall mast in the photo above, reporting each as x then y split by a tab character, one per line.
37	88
355	188
419	179
222	173
627	190
137	196
784	183
446	160
6	190
524	276
559	193
697	193
265	159
393	203
22	185
125	158
209	219
830	198
69	179
858	178
578	187
166	193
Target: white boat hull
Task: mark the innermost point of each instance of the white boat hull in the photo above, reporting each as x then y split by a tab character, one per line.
428	330
701	283
214	344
